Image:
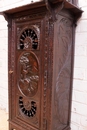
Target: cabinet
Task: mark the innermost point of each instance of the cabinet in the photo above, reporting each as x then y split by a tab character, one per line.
40	61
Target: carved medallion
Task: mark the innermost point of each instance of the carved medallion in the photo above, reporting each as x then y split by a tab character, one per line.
28	74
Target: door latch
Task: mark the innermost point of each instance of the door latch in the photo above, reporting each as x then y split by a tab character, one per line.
10	71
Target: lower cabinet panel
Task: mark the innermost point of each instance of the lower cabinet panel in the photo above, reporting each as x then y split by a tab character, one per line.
13	126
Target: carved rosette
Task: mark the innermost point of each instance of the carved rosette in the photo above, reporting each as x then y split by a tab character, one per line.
28	37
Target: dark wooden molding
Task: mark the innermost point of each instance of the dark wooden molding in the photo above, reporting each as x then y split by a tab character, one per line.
77	17
5	16
52	10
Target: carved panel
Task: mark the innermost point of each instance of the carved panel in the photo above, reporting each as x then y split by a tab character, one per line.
16	126
28	111
62	81
27	107
50	70
28	37
25	94
28	85
28	74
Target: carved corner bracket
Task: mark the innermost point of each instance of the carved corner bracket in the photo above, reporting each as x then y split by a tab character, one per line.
52	10
7	18
77	18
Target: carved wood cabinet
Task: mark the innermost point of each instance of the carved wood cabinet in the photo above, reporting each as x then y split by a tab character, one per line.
40	60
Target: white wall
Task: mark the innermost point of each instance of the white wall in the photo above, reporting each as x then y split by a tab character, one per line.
3	64
7	4
79	100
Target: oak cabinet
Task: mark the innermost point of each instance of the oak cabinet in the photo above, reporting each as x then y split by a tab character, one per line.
40	60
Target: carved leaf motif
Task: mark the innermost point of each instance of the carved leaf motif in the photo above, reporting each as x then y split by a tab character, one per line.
63	78
66	22
61	29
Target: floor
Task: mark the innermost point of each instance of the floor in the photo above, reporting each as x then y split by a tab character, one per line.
3	120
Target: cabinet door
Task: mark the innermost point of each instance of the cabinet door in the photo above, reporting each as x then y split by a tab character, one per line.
25	78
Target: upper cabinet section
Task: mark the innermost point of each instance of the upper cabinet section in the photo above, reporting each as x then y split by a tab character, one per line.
45	5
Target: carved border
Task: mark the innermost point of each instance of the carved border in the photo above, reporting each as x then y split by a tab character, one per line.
45	75
48	72
13	67
30	17
50	69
